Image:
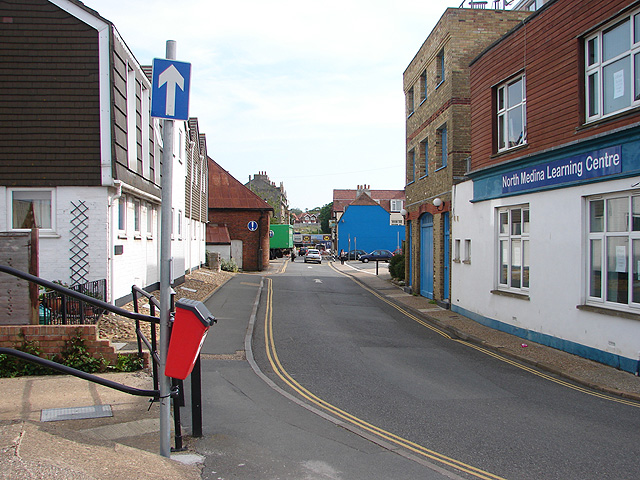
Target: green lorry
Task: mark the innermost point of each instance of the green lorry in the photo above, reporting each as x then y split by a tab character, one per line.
280	240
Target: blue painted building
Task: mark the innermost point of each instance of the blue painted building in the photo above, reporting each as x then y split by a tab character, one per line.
365	225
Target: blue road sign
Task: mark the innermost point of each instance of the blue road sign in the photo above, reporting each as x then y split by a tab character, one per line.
170	89
252	226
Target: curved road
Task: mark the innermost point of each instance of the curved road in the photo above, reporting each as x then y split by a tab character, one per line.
343	350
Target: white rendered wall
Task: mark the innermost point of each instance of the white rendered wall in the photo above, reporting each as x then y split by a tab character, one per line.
55	246
557	271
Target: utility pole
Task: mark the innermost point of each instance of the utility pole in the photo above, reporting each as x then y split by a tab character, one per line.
165	273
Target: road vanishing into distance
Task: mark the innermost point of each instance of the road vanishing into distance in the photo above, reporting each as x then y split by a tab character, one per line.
380	371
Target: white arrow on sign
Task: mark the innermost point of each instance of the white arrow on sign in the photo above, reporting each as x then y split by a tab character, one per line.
171	76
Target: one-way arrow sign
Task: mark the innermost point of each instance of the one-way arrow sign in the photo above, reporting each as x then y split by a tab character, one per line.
170	90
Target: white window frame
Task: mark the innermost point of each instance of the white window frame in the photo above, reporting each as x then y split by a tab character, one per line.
122	215
516	253
509	112
38	191
597	69
149	219
137	217
395	205
625	240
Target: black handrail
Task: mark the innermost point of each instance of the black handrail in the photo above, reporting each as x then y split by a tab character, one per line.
78	295
80	374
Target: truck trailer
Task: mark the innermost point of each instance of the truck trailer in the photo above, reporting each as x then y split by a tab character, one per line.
280	240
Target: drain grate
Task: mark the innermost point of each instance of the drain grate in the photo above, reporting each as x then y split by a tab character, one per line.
75	413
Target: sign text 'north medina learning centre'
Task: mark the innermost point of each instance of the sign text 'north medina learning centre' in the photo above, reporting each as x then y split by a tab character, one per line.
599	163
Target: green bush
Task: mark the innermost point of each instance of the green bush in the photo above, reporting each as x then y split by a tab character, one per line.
129	363
396	267
229	265
74	354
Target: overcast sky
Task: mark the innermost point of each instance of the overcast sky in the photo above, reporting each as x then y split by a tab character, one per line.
309	92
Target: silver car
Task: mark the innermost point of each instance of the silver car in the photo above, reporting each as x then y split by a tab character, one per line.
313	255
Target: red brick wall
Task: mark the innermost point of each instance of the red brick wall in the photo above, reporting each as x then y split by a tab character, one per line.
237	221
548	48
52	338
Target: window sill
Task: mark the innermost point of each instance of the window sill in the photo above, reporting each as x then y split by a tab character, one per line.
423	176
609	311
410	114
137	236
440	168
467	262
438	86
504	293
507	151
122	236
149	237
599	121
456	260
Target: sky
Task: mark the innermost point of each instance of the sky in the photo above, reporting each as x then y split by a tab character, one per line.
309	92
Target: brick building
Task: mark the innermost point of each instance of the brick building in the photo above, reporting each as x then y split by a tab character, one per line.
438	137
239	215
274	196
546	237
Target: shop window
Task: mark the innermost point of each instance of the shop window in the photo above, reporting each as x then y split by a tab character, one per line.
614	250
513	248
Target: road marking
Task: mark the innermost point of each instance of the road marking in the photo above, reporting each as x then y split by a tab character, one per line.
317	280
496	355
279	370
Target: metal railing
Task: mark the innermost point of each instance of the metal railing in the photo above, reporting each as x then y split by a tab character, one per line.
57	308
138	317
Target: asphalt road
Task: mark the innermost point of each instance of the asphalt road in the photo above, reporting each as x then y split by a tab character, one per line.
345	352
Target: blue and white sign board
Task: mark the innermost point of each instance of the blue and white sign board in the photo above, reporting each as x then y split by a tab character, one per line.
170	89
598	163
252	226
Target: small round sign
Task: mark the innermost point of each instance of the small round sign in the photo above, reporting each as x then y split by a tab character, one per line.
252	226
271	233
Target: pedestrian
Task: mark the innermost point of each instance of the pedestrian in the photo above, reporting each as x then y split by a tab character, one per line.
293	254
342	256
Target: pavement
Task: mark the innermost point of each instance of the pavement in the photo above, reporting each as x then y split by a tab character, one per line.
66	428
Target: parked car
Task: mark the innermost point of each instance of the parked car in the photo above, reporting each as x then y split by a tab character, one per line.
354	254
302	251
380	255
313	255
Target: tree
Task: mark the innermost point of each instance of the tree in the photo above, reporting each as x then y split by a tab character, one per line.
324	217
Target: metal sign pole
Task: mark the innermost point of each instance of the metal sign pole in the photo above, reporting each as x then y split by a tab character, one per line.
165	273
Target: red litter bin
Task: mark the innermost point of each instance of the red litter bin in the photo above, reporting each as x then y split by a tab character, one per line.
191	323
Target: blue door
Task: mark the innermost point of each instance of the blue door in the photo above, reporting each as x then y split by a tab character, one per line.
426	255
409	253
447	254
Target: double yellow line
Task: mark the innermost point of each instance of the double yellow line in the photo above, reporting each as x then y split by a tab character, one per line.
504	359
413	447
